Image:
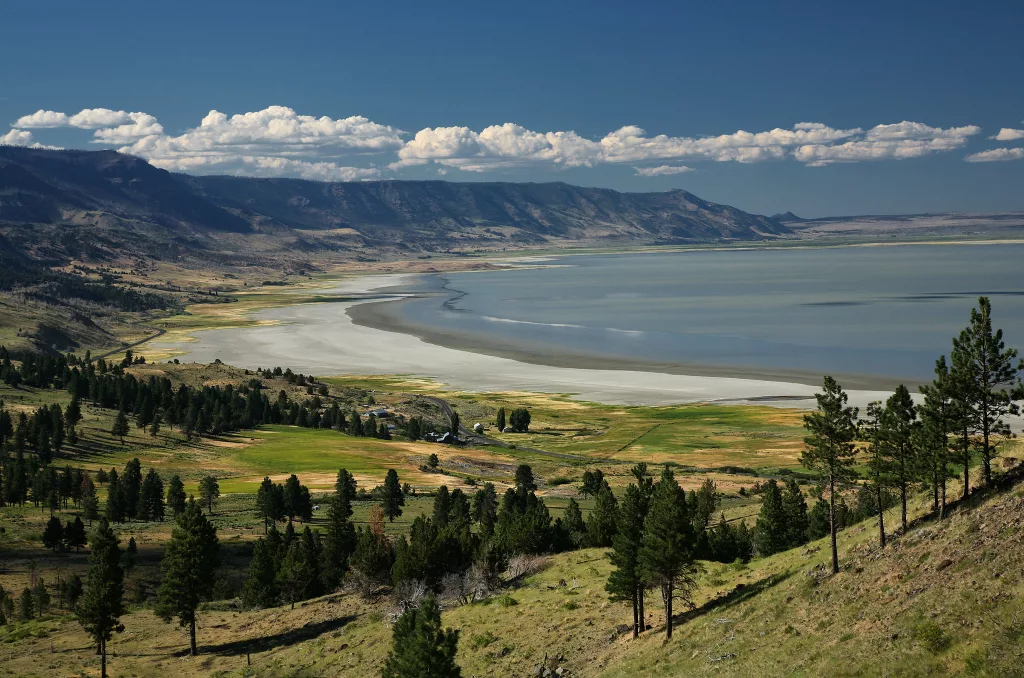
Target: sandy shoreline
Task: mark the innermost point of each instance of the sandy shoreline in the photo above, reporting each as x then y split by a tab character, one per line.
323	339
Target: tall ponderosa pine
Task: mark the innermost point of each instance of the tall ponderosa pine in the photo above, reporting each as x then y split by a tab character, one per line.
189	567
897	426
878	463
666	553
626	582
939	417
422	648
832	430
992	372
100	608
964	415
341	534
392	497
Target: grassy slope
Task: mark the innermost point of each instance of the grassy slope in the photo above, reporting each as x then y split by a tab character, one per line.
894	612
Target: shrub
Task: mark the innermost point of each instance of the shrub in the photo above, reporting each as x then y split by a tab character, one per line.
931	636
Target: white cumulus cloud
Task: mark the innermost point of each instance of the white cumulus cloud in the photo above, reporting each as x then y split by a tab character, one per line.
273	142
1009	134
278	141
997	155
137	126
42	119
662	170
94	118
16	137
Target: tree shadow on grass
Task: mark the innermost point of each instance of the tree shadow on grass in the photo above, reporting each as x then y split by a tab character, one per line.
283	639
737	595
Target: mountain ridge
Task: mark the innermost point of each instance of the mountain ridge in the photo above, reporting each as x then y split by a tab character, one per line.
150	209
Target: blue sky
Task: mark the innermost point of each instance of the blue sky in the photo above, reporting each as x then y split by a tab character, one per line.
634	96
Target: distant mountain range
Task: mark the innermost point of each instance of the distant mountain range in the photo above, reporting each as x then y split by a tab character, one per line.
58	204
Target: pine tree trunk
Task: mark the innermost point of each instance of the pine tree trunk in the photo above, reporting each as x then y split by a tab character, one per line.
986	458
103	659
643	615
903	504
942	503
967	463
192	638
935	492
881	517
636	617
832	522
666	593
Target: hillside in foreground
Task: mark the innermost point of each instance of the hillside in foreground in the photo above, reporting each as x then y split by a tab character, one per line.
944	599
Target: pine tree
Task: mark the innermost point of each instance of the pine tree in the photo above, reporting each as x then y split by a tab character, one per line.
26	605
573	524
74	534
131	485
939	417
897	423
771	534
176	500
151	499
722	542
666	552
120	428
744	542
292	496
453	423
524	478
53	535
260	588
830	447
422	648
269	503
991	370
341	534
90	502
878	463
40	597
485	509
189	567
625	581
392	497
292	574
209	491
602	523
499	420
442	504
101	607
794	509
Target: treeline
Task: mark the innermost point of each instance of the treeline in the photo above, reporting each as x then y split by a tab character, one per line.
52	286
960	419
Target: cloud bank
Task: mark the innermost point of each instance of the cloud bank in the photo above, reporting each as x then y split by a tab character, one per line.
278	141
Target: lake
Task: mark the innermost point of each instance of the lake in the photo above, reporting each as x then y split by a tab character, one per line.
873	311
728	326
